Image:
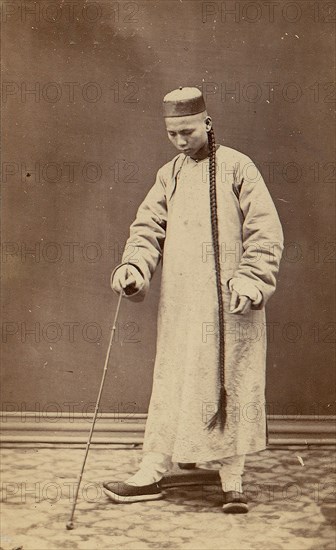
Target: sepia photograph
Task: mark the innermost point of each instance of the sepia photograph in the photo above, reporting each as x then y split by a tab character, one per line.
168	275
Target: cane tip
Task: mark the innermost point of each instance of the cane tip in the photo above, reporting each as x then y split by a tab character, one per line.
70	525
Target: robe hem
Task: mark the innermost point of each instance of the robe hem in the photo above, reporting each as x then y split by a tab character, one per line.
220	454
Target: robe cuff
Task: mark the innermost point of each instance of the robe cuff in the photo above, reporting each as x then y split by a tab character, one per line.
136	295
246	288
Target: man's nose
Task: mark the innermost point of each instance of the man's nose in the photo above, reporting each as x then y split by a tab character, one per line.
181	141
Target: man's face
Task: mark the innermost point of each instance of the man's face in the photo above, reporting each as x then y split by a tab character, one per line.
188	134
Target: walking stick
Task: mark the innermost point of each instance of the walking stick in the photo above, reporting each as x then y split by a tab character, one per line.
70	524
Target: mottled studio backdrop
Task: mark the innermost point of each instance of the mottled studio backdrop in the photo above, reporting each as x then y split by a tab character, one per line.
83	138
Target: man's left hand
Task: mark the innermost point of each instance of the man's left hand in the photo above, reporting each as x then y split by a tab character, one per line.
239	304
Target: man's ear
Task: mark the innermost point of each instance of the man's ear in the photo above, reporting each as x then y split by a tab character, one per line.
208	123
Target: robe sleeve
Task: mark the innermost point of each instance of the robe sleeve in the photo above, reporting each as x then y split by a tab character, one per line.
262	236
144	247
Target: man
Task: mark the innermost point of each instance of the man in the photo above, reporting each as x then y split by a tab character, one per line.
211	219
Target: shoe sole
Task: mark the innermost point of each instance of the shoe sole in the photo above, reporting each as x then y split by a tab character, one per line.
235	508
119	499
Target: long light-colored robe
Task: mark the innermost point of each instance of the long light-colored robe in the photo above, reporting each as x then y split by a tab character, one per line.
173	224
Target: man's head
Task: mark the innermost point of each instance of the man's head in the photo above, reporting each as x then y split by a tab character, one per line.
187	121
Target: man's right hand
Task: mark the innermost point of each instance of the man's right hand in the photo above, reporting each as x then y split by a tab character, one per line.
127	278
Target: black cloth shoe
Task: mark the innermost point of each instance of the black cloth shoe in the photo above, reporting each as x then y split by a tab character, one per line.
187	465
235	503
119	492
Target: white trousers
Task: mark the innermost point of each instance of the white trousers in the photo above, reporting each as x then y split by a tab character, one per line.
154	465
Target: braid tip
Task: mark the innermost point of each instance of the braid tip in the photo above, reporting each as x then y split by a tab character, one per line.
219	418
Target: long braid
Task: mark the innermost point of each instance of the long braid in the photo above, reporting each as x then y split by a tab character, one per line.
220	415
